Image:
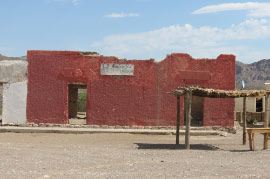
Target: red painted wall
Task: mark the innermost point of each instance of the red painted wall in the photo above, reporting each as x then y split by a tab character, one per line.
125	100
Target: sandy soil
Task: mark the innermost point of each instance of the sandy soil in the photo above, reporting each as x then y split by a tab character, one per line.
129	156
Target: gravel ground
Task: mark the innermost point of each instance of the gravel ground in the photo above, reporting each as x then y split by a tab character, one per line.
129	156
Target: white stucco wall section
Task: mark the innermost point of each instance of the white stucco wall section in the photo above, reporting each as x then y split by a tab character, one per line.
250	104
12	71
14	102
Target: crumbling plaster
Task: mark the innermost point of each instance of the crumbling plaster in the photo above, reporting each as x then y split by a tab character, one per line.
13	80
12	71
14	102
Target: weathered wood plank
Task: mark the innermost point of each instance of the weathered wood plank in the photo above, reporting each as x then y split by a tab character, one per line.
267	111
245	122
250	141
178	120
258	130
251	132
253	141
188	102
216	93
265	143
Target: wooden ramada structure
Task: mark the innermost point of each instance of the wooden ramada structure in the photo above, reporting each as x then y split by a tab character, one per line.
189	91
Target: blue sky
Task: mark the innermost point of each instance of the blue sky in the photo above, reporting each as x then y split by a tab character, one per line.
138	29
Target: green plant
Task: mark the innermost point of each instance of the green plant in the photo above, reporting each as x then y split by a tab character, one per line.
251	120
255	121
81	103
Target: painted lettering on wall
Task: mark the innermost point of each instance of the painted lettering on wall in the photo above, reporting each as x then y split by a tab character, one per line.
117	69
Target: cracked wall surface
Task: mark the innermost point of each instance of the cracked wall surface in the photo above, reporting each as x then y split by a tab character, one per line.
139	99
13	90
14	102
13	71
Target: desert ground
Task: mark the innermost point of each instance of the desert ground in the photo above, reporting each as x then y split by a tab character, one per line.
129	156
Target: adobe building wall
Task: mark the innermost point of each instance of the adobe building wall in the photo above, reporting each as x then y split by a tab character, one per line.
217	74
139	99
13	90
1	95
12	71
14	102
250	104
250	108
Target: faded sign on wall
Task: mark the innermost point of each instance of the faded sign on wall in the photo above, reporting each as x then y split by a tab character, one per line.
117	69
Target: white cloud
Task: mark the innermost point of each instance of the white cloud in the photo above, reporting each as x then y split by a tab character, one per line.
200	42
255	9
5	49
74	2
121	15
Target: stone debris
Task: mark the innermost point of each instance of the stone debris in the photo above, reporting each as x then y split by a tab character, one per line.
223	130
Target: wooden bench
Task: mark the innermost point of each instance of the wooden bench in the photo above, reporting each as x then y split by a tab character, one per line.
252	131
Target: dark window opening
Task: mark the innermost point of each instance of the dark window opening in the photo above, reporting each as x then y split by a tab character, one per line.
259	105
77	95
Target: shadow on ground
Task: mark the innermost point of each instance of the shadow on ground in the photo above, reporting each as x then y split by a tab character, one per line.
240	150
176	147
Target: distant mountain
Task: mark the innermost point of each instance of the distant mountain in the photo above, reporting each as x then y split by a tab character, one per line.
254	74
2	57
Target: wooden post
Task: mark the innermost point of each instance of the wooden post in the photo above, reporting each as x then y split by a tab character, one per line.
266	111
245	122
178	120
265	143
253	141
266	119
188	102
250	141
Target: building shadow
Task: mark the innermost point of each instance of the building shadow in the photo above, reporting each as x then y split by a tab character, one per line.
145	146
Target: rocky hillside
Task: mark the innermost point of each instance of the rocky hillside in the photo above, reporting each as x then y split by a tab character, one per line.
254	74
2	57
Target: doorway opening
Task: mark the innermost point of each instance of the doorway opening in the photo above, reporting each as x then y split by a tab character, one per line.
77	99
196	111
259	105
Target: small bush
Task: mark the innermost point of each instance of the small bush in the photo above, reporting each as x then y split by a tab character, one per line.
251	120
81	103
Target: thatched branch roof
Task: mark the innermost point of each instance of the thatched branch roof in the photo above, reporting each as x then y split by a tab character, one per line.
215	93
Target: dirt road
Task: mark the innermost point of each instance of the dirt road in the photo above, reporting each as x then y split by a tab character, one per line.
129	156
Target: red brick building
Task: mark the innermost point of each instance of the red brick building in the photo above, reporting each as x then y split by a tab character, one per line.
136	99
